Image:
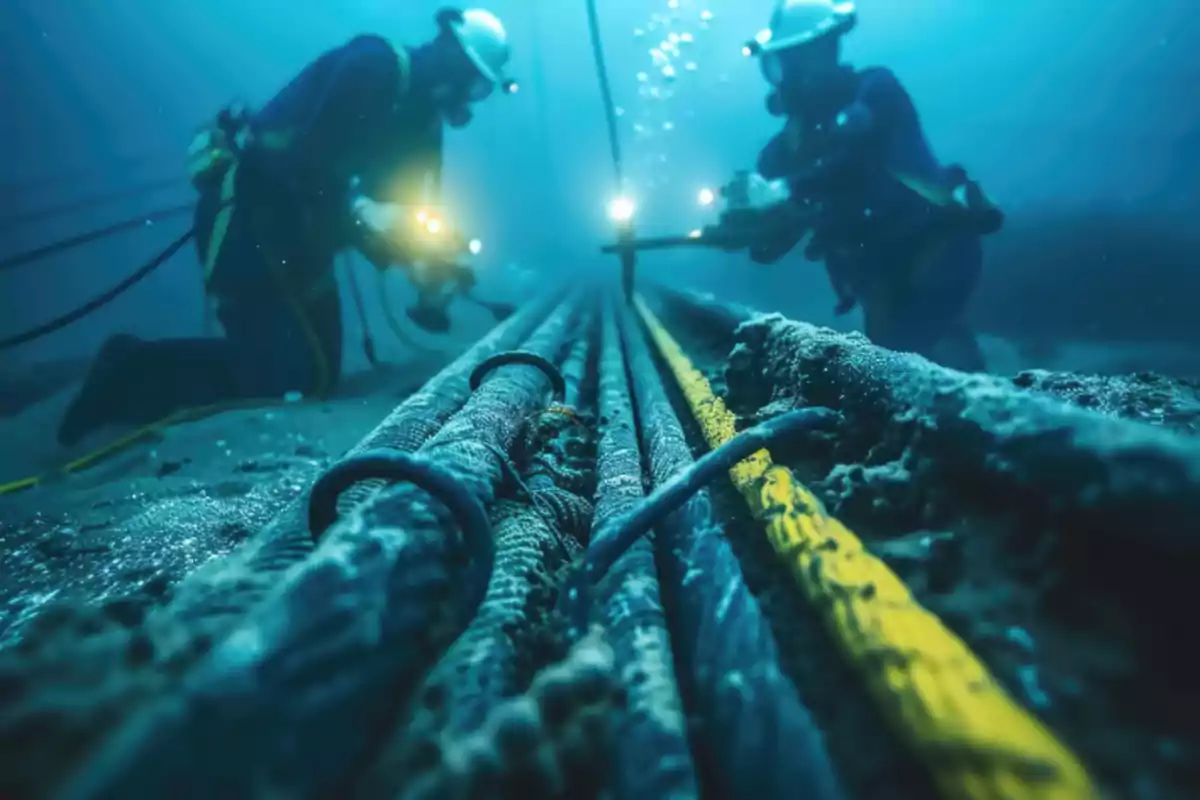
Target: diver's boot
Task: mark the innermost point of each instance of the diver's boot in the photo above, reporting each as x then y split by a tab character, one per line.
96	403
430	317
137	382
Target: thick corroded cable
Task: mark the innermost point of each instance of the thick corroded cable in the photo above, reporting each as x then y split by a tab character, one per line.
483	667
555	456
761	737
152	658
305	688
227	590
939	697
652	757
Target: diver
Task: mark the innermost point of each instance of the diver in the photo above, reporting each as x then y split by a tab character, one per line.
899	233
347	148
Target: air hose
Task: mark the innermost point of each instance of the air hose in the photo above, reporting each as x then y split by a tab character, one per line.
71	242
109	295
610	109
128	193
627	254
100	300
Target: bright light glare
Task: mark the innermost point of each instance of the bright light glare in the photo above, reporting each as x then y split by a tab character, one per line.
707	197
763	36
434	225
695	234
475	246
422	216
621	209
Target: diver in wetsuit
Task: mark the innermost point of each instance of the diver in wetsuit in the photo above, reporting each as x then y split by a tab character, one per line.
899	233
332	162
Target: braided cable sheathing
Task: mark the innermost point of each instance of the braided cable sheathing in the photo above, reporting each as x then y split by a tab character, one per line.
296	693
216	596
761	736
653	759
482	668
313	639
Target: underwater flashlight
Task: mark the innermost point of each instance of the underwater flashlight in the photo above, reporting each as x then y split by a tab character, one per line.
621	210
707	197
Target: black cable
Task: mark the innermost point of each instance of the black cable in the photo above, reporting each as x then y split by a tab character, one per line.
49	212
610	110
101	300
116	167
71	242
615	537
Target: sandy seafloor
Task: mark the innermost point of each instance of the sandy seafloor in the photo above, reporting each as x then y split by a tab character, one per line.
152	513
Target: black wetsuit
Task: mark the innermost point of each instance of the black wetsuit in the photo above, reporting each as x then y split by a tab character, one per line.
878	232
352	113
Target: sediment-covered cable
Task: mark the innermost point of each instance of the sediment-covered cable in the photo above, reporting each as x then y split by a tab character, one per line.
304	691
975	739
761	739
651	754
229	589
206	604
486	664
555	456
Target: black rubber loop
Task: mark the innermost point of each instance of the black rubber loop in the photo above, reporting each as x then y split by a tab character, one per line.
395	466
617	536
557	384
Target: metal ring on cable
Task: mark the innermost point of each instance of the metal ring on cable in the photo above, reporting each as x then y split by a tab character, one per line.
558	384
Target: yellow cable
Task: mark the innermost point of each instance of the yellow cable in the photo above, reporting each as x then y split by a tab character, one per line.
938	696
123	442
